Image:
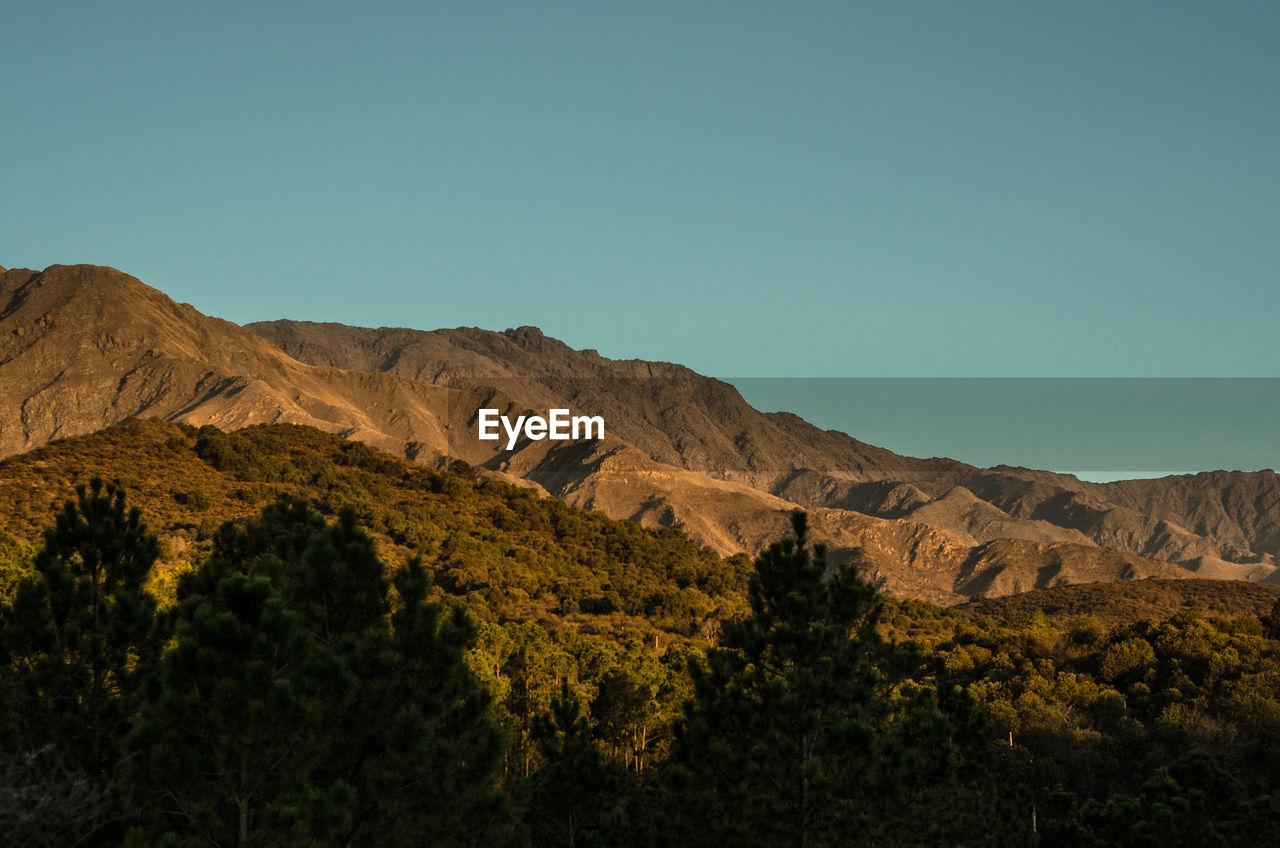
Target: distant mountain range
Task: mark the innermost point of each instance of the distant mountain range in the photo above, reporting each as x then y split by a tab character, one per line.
83	347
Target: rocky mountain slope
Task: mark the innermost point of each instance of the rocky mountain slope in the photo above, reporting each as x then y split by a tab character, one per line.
82	347
1225	524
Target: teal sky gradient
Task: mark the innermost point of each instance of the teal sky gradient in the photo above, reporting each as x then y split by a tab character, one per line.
816	189
983	189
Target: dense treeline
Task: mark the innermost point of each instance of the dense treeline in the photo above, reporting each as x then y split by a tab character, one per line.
295	693
1127	601
555	592
510	554
1098	708
304	683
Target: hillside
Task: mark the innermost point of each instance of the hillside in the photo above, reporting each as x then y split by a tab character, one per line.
1221	525
83	347
188	480
506	551
1130	601
1095	686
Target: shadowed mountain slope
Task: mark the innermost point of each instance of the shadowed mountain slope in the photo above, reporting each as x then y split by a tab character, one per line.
672	414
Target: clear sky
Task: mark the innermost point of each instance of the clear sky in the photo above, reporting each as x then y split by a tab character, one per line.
925	189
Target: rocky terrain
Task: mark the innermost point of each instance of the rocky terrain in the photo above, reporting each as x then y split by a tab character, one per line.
1219	525
83	347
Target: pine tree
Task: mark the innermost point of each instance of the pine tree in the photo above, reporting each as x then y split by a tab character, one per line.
78	627
1190	802
418	746
576	797
310	700
806	729
226	740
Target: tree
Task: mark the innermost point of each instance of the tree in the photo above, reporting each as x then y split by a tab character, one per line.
308	699
1191	802
625	709
427	753
576	797
15	563
528	664
225	743
77	629
806	729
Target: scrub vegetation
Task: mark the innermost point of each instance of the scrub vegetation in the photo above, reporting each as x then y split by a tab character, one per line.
276	637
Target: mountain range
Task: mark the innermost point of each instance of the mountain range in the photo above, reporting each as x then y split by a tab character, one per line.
84	347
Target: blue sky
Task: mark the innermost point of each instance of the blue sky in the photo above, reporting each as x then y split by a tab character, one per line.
753	189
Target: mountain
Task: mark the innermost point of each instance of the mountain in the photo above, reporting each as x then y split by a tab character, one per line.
1221	524
83	347
672	414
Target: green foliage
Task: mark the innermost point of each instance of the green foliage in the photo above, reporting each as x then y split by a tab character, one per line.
1188	804
70	641
77	628
636	700
1094	711
16	562
540	676
226	739
1131	659
577	797
1127	601
805	730
231	453
506	552
309	699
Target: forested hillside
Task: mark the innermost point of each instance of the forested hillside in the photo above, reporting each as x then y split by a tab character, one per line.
510	554
276	636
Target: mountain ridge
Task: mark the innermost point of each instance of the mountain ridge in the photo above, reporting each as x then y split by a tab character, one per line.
82	347
832	469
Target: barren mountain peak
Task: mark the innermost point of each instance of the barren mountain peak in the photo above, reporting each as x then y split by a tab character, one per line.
62	287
